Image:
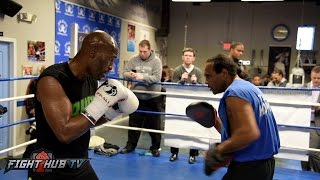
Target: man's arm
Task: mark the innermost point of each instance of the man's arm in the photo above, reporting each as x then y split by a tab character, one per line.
242	123
176	75
199	76
57	110
128	69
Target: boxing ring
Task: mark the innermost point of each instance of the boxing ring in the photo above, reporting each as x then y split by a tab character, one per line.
291	108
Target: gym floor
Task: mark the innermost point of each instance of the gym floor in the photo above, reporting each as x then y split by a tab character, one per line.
133	166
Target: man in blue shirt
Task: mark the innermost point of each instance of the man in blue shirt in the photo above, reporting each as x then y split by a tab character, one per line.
248	128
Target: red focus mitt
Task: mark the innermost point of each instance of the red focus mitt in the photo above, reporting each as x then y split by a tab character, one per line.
203	113
215	160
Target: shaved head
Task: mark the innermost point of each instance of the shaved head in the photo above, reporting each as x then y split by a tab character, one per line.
96	55
100	38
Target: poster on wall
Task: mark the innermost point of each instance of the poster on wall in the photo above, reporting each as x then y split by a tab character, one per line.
89	20
144	35
131	38
27	70
279	58
36	51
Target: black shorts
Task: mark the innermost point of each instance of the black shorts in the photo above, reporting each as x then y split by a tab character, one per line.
86	172
260	170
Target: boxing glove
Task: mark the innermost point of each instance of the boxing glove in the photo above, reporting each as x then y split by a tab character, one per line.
215	160
107	95
126	106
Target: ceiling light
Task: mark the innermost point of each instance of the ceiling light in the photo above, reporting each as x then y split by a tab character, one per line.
262	0
191	0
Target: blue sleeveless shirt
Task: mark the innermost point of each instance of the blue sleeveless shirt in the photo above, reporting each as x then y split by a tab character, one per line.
268	143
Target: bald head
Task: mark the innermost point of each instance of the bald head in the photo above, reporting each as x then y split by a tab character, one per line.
96	55
100	39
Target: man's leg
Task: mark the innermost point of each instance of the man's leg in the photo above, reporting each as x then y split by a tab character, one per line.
133	136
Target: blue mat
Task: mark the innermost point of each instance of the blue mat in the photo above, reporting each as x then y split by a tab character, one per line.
133	166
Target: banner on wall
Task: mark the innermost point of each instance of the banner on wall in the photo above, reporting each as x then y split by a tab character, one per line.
279	58
131	38
88	20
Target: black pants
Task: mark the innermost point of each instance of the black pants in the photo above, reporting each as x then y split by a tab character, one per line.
192	152
255	170
314	142
146	120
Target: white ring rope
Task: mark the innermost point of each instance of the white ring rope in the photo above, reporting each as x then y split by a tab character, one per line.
159	131
17	97
153	131
206	137
18	146
217	97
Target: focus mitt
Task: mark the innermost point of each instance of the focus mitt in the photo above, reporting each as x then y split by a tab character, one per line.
203	113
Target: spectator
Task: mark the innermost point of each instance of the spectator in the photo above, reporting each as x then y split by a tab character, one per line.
187	73
167	74
235	53
266	79
277	79
145	68
314	157
256	80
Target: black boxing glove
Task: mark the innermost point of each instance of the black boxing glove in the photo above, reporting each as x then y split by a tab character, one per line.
203	113
215	160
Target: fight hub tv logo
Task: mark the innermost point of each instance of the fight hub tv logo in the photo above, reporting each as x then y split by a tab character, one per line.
43	161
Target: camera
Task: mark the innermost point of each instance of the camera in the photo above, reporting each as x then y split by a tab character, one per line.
32	129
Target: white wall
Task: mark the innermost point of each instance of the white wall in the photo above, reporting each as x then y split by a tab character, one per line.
44	30
249	23
41	30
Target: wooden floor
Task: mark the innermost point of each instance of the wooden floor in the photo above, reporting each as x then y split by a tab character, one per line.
133	166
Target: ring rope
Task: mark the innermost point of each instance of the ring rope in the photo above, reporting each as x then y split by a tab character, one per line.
18	78
169	114
172	83
218	98
17	98
18	146
179	134
205	85
148	130
16	123
35	140
281	125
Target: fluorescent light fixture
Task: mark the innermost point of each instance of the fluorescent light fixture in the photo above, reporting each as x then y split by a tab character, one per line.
191	0
262	0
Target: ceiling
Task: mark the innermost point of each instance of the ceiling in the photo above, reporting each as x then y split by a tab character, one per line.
317	1
285	1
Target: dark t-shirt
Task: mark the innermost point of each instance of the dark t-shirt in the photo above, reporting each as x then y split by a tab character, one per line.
80	93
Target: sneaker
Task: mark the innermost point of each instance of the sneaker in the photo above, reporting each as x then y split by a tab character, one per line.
173	157
126	150
192	159
155	153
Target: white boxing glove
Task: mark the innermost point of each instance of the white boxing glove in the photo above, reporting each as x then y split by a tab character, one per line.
108	94
130	104
126	106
